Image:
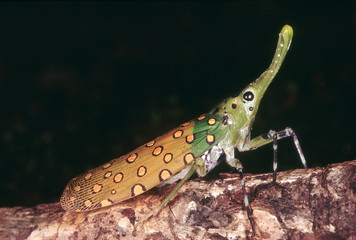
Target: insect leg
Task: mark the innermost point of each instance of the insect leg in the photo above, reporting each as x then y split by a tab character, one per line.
179	185
169	197
273	136
275	162
234	162
246	202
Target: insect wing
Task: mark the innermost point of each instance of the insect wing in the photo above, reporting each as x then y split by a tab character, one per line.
145	167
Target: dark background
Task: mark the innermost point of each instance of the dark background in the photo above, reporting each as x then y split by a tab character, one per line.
82	83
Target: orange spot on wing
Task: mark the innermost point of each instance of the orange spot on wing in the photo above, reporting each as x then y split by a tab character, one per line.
164	174
178	134
201	117
106	202
188	158
168	157
157	151
107	174
137	189
211	121
210	139
132	158
88	176
190	138
97	188
150	144
106	165
185	124
118	177
141	171
88	203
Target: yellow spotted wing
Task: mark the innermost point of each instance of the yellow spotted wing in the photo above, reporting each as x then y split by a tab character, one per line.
145	167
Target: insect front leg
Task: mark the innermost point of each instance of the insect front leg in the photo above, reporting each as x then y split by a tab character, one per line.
234	162
273	136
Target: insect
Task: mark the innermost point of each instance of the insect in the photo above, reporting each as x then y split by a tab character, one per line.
194	146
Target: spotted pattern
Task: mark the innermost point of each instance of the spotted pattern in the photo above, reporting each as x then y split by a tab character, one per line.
211	121
118	177
132	158
137	189
88	176
157	151
185	124
188	158
77	188
201	117
141	171
113	192
168	157
150	144
106	202
164	175
88	203
71	199
178	134
105	166
210	139
107	174
190	138
97	188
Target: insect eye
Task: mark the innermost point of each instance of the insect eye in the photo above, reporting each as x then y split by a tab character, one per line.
248	96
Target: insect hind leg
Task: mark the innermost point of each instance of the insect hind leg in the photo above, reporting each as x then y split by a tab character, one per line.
246	201
168	198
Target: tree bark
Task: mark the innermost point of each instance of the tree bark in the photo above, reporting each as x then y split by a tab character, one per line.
316	203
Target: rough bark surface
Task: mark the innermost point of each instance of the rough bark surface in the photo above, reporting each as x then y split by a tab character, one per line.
316	203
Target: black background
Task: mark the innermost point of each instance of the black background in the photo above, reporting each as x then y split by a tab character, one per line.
82	83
